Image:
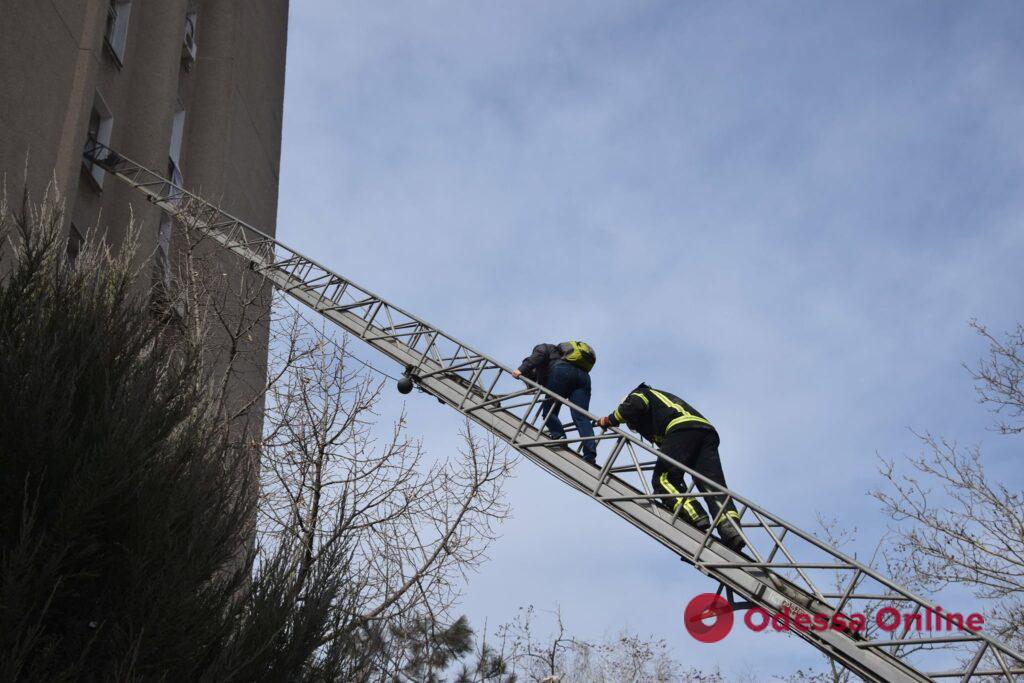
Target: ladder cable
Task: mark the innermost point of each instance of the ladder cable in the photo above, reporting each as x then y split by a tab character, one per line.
785	569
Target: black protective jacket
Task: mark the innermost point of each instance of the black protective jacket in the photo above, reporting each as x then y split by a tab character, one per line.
536	365
653	413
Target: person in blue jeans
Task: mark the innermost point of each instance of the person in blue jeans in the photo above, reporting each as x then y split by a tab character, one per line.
564	369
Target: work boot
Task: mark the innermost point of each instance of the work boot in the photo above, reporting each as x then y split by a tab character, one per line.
702	523
731	536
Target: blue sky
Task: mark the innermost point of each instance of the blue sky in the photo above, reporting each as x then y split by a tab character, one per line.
784	212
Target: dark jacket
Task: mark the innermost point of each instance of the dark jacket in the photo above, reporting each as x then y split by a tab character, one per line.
536	365
653	413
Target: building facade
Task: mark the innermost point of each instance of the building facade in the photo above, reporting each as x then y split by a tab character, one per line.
193	88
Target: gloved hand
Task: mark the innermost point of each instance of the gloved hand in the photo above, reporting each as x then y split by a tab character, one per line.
604	422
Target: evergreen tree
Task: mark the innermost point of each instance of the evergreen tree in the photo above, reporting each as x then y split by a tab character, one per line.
126	517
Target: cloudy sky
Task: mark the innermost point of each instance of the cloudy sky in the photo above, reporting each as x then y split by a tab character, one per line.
784	212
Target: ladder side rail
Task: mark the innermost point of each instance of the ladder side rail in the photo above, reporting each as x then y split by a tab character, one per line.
682	539
847	562
529	449
286	271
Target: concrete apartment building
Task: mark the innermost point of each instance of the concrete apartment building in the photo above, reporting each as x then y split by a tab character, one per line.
192	88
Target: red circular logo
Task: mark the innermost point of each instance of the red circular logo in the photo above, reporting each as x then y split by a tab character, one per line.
704	607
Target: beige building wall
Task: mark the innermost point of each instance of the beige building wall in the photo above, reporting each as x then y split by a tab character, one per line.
55	57
58	58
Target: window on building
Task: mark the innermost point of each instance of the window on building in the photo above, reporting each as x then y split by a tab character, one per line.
101	124
117	27
189	50
162	259
174	152
75	241
162	255
177	135
163	301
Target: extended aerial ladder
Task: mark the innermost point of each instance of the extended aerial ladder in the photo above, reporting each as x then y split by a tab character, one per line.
783	567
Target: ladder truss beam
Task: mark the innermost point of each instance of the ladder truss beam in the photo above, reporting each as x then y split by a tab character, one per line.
809	576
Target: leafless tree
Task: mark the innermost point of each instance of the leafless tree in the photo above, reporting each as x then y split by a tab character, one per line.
999	377
414	527
840	537
958	524
538	659
408	528
562	658
224	310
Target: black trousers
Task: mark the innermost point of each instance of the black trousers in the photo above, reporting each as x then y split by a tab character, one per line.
698	450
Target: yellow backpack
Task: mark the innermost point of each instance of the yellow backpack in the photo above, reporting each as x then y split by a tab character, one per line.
579	354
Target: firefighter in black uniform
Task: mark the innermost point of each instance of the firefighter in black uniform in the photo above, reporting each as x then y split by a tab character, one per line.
687	437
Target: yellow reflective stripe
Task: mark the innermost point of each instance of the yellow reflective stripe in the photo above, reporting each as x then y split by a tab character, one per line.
729	513
667	485
685	502
618	415
685	418
671	404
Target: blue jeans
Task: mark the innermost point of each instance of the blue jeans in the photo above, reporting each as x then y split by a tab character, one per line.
569	381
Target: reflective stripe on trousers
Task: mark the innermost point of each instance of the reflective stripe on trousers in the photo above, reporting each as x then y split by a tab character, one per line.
686	502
